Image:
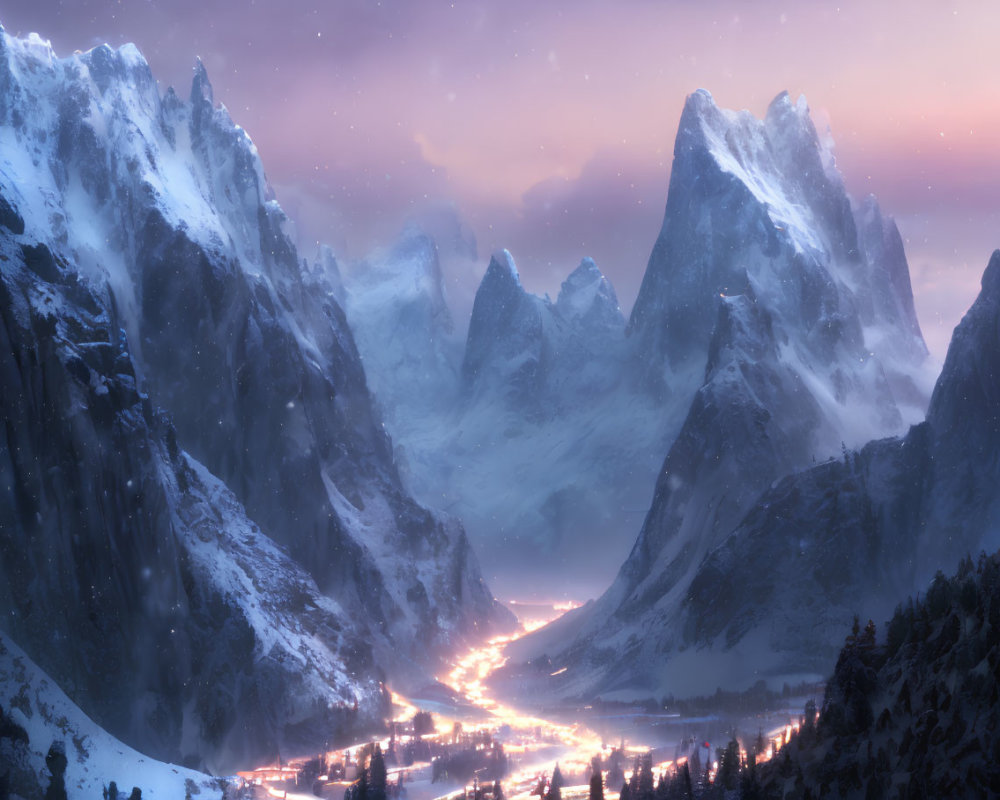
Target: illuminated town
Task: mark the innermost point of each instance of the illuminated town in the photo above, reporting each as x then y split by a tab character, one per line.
494	746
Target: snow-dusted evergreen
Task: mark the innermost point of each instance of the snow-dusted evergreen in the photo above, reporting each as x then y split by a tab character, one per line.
145	267
912	706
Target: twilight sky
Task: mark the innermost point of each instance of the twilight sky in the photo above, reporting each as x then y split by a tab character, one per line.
548	128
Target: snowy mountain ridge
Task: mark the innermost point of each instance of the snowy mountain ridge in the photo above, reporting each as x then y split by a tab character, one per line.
140	227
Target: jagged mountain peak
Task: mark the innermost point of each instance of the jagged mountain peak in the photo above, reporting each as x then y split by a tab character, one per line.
32	44
990	282
506	321
400	288
201	86
783	113
762	200
587	267
725	133
967	395
587	295
106	64
585	275
502	271
414	241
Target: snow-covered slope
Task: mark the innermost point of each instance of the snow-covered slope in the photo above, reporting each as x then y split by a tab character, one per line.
858	534
145	265
31	704
794	332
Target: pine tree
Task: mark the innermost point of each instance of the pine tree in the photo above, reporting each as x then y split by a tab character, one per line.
616	774
760	746
56	763
378	775
423	723
729	766
750	788
557	778
695	761
633	782
645	780
361	788
596	786
686	776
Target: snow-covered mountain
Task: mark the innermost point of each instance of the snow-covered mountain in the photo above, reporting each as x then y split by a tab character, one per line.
858	534
812	346
538	357
132	574
759	205
400	317
775	325
526	433
145	266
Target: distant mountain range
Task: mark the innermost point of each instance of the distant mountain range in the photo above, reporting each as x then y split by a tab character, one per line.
546	430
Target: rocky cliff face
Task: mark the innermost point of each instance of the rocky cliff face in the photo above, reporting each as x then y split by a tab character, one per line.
131	573
146	268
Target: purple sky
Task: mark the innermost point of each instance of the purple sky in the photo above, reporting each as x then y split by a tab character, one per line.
548	127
